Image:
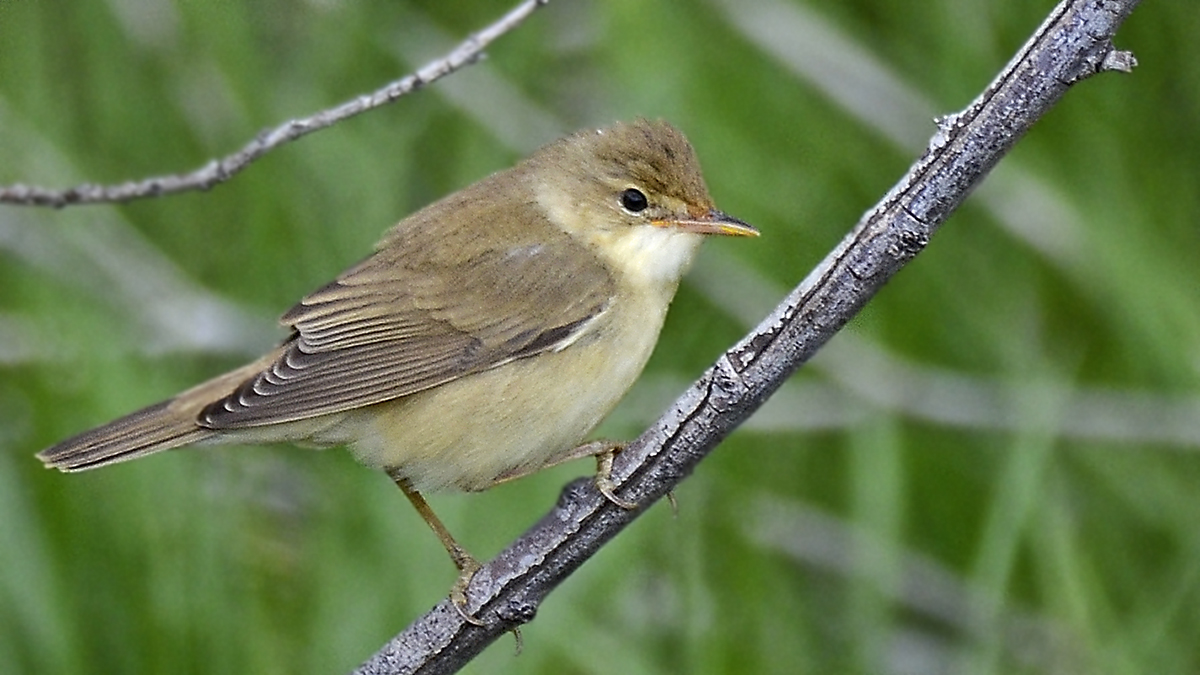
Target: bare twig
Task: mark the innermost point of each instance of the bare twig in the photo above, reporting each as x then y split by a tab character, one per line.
220	170
1072	44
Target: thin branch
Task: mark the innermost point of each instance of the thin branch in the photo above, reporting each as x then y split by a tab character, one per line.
1072	44
220	170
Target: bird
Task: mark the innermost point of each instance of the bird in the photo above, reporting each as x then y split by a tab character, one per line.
484	338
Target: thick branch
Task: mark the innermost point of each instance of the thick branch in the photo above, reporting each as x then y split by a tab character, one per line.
1073	43
221	170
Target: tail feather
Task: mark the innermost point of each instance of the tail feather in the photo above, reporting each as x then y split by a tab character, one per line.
158	427
162	426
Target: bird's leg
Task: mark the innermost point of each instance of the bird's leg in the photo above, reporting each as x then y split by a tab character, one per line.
603	451
466	564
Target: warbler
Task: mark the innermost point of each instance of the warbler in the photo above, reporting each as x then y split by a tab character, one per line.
484	338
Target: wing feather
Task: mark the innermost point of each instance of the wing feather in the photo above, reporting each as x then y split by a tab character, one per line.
413	316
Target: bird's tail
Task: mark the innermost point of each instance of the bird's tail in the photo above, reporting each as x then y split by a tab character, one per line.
158	427
162	426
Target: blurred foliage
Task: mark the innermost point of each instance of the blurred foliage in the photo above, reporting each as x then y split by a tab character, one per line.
992	470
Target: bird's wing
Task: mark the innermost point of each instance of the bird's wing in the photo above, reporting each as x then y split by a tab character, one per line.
420	313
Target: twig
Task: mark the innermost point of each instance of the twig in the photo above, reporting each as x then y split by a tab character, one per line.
1072	44
219	170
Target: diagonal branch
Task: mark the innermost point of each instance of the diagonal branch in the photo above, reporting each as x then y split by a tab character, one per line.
1073	43
220	170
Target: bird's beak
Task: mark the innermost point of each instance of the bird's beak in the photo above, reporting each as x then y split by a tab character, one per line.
713	222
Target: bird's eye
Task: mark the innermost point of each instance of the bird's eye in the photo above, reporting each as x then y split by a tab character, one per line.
634	200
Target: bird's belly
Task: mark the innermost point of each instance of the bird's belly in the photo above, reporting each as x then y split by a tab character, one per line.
512	419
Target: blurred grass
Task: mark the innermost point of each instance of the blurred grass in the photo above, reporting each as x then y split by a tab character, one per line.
992	471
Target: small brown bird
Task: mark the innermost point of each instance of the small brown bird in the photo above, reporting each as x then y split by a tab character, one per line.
488	334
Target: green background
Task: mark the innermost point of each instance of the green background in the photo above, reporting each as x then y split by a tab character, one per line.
992	470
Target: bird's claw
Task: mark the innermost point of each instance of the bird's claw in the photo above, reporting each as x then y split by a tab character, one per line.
604	481
458	592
